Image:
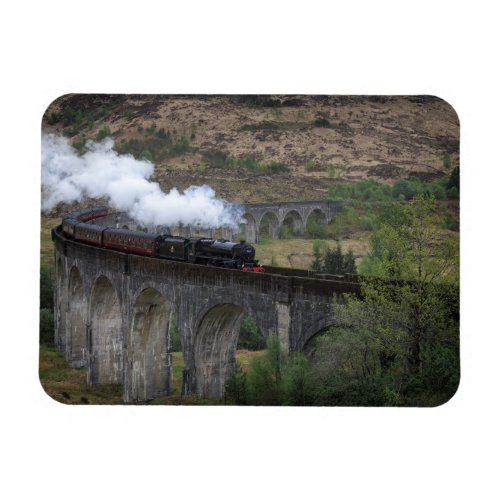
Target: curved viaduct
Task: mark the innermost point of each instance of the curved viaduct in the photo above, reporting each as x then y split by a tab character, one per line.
113	313
276	214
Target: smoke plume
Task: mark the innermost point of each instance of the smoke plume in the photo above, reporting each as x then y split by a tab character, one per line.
102	173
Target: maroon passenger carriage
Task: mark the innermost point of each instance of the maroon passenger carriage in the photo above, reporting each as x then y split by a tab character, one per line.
219	253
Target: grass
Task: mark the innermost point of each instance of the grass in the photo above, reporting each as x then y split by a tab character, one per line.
69	386
46	245
297	252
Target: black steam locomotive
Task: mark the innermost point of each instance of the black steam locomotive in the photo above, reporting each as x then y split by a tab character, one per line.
220	253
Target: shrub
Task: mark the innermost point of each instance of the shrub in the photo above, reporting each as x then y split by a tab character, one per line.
284	232
403	187
297	385
321	122
46	327
181	146
265	101
333	261
147	155
250	163
454	181
46	290
104	132
236	390
71	116
215	157
453	193
451	223
315	228
447	161
53	118
275	167
264	377
249	336
79	145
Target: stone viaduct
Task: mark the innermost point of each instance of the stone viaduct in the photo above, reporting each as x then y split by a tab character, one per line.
257	215
277	214
114	311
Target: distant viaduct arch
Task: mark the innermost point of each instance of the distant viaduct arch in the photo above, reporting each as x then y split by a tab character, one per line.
275	215
113	314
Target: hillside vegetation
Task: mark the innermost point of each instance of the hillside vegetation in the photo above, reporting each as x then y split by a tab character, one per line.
268	148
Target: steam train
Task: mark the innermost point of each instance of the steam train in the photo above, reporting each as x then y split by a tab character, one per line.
220	253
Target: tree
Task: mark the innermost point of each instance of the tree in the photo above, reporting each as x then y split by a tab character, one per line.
410	303
454	182
46	291
319	249
236	387
249	336
264	377
333	261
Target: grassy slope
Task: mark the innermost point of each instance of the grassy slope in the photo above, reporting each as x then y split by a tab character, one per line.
46	245
68	385
389	139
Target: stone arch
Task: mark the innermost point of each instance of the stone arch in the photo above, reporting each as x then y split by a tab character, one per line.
313	218
105	334
293	219
215	348
320	326
249	230
269	219
319	214
149	360
77	328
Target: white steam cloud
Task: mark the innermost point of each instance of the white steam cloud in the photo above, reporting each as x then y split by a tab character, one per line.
102	173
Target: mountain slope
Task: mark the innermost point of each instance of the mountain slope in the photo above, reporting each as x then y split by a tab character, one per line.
268	148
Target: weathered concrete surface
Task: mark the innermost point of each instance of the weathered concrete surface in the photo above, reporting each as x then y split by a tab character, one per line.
113	313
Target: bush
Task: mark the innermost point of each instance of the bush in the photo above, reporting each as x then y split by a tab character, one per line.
53	118
454	180
453	193
250	163
403	187
315	228
331	261
249	336
79	145
451	223
264	101
46	289
236	390
104	132
284	232
215	158
46	327
297	385
321	122
181	146
264	377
